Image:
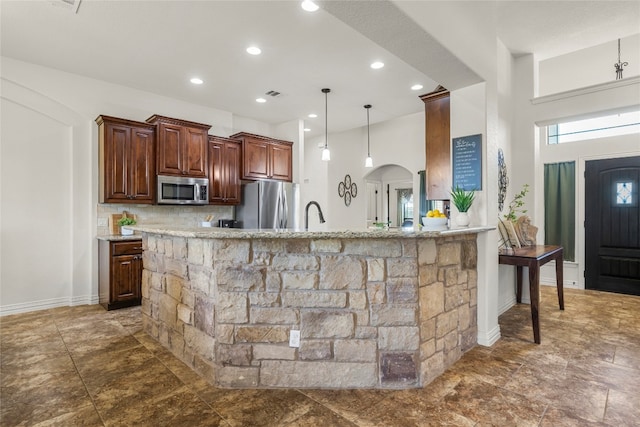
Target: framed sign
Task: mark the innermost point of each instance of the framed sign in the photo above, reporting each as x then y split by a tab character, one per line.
467	162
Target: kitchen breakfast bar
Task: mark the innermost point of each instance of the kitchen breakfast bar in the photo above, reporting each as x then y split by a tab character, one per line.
374	308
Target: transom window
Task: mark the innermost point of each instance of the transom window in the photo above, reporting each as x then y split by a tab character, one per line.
597	127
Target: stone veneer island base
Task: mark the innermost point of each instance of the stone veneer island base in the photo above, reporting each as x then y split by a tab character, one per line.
375	309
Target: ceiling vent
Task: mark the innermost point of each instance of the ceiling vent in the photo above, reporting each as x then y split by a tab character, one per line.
71	5
273	94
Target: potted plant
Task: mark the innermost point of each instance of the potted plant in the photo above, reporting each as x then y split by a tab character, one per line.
516	204
124	221
462	200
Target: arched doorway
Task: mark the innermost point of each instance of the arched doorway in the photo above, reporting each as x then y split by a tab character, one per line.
389	190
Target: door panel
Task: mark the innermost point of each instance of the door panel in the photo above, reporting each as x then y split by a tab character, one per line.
232	171
117	155
195	152
142	164
612	225
169	150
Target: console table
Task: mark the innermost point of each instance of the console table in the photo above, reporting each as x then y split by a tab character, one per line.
534	257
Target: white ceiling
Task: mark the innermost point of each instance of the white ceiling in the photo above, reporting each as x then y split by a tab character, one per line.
158	45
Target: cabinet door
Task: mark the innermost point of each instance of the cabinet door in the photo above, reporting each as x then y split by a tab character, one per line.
116	151
255	159
232	170
195	152
170	150
216	172
125	278
142	166
281	162
438	147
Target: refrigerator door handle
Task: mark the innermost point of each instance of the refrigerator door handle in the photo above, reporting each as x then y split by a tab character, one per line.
285	210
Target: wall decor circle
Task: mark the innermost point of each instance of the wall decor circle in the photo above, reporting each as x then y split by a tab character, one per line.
347	189
503	180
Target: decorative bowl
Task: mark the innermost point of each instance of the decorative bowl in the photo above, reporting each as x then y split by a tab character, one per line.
431	223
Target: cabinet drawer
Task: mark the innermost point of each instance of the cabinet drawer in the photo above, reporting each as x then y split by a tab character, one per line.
126	248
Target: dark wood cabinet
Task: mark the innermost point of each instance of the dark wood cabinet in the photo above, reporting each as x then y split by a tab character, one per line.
120	273
224	170
437	144
126	161
181	147
265	158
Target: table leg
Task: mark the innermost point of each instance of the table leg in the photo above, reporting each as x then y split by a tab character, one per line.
535	300
518	284
560	280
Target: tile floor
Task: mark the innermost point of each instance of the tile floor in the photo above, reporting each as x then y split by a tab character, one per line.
85	366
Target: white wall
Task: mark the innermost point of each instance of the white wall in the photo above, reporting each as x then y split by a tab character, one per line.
589	66
36	203
532	114
40	95
395	142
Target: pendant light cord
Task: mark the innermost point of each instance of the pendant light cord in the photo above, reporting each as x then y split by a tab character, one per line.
368	131
326	131
326	113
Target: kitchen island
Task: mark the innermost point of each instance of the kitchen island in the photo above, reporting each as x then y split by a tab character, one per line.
374	308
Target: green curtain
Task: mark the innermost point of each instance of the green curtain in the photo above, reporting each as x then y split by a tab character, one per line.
423	194
560	207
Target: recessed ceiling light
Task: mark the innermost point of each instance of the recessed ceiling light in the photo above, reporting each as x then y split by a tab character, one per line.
309	6
313	115
196	80
416	87
261	100
254	50
377	65
307	130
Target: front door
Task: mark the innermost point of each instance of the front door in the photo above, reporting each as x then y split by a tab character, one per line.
612	225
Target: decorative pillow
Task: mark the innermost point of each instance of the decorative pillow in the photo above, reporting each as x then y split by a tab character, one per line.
510	233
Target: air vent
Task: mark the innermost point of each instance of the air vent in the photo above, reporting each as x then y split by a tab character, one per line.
71	5
273	93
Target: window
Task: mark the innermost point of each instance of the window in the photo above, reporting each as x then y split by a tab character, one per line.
597	127
624	193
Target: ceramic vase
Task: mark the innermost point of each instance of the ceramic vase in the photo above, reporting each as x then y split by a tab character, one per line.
462	219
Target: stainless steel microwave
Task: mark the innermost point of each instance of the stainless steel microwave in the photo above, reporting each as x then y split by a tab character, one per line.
178	190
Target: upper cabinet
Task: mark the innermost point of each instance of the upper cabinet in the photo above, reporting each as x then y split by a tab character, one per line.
265	158
438	145
126	158
182	147
224	170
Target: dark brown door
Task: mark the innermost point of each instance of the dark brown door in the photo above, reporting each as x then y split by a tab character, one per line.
281	162
127	270
232	173
117	144
256	159
612	225
195	152
170	150
143	165
216	172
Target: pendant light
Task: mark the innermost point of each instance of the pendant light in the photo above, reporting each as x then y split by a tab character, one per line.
326	154
368	163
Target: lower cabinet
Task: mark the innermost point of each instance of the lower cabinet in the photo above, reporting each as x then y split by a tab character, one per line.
120	273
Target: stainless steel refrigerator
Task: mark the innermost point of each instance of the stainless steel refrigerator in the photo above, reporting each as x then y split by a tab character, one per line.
269	205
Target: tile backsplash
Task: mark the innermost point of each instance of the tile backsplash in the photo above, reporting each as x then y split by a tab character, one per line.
188	216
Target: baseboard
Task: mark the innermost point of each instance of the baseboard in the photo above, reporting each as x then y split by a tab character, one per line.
507	305
25	307
489	338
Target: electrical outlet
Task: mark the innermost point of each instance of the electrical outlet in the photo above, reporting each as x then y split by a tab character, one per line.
294	338
103	222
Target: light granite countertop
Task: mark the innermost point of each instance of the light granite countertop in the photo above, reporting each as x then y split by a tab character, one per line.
240	233
118	237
